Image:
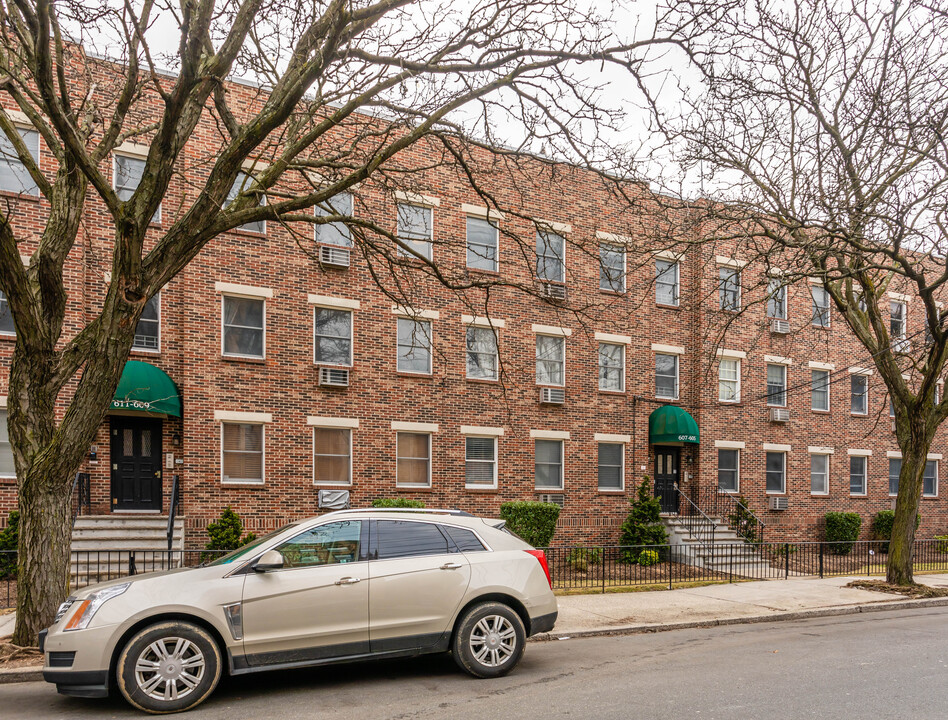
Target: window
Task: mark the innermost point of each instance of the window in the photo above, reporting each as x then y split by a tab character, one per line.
551	360
14	177
777	385
820	390
413	459
481	353
666	376
148	330
895	469
897	320
6	317
729	288
857	475
611	367
666	282
821	306
414	346
7	467
243	327
481	244
404	538
819	474
332	337
415	230
930	479
242	452
729	470
729	380
550	254
777	299
241	184
332	456
859	393
128	174
611	466
776	472
548	464
336	542
612	268
465	540
337	232
480	462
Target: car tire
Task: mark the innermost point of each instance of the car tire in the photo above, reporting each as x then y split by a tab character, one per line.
168	667
489	640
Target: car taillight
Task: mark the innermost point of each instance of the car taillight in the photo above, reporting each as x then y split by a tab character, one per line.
541	557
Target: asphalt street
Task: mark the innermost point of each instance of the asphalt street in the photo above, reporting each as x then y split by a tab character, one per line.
873	666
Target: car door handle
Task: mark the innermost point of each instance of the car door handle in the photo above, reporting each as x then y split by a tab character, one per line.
451	566
348	581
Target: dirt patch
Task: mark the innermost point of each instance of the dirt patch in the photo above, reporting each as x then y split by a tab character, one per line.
15	656
913	591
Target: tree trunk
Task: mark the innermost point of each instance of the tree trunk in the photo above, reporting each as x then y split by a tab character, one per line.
902	545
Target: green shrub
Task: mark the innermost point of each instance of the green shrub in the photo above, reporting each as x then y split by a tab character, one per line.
880	529
842	531
9	537
648	557
398	502
225	534
534	522
582	557
743	522
643	526
942	544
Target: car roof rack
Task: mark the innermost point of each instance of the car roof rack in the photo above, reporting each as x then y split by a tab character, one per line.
433	511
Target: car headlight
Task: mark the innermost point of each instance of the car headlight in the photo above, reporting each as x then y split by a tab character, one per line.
66	604
85	609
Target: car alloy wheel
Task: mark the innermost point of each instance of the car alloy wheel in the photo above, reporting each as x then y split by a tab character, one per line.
488	640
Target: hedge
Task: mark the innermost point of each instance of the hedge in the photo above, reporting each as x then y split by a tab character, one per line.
398	502
842	531
534	522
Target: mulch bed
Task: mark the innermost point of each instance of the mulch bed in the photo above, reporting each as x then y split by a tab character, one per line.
621	575
913	591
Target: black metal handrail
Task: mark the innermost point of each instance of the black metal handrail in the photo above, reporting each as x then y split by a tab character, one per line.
172	510
740	518
696	522
82	490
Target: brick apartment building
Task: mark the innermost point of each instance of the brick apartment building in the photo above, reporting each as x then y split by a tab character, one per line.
263	373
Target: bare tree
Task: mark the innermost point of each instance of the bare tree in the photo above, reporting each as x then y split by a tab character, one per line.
817	131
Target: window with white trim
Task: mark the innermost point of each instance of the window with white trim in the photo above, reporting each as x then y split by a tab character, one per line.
819	474
667	282
128	174
481	244
415	229
611	268
930	479
897	320
729	288
551	249
244	321
611	466
243	183
729	469
821	306
332	337
7	467
729	380
776	471
481	353
859	394
666	376
335	232
820	390
551	360
611	367
148	330
242	452
6	317
413	459
480	461
777	385
895	469
857	474
414	346
14	177
548	464
332	456
776	299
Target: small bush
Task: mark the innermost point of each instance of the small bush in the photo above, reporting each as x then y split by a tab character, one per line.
643	526
397	502
581	558
942	544
648	557
9	537
842	531
743	522
880	529
533	522
225	534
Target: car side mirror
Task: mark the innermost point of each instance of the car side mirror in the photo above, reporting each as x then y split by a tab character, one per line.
270	560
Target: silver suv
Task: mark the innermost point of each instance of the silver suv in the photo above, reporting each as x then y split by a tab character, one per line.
347	585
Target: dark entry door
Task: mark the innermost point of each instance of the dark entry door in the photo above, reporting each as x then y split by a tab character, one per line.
136	463
666	477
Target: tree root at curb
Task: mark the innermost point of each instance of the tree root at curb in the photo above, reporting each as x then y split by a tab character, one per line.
914	591
17	656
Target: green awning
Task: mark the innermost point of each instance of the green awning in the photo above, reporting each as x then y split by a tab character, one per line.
671	424
147	388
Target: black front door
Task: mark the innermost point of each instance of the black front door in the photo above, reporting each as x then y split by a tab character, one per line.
136	463
666	477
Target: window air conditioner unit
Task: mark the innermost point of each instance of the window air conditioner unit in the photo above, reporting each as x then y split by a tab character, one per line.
779	415
334	256
552	396
555	498
780	327
553	291
778	503
333	377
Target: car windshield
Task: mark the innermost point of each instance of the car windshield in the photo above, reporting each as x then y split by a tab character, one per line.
248	549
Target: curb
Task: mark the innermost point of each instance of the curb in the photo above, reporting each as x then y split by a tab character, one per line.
30	673
882	606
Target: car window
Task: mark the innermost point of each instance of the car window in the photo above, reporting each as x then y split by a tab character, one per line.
336	542
399	538
465	539
248	549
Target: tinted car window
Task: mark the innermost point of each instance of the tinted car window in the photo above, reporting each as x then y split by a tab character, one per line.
328	544
398	538
465	539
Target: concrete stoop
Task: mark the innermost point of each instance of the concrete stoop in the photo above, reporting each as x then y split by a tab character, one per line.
722	550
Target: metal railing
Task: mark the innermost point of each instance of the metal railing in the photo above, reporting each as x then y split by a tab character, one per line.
81	494
740	518
172	511
698	524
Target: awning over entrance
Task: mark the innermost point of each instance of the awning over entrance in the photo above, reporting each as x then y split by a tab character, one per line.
147	388
671	424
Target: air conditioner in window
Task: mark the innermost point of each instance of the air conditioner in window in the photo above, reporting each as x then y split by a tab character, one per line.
334	256
780	327
779	415
555	498
902	345
333	377
777	503
552	396
553	291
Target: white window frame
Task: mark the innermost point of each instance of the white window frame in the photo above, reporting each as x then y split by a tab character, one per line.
562	483
325	213
676	266
156	218
622	285
903	320
827	388
4	301
21	128
325	483
258	298
937	471
826	475
4	418
467	242
677	376
770	396
157	351
733	277
263	203
546	232
599	366
493	485
891	457
316	309
783	478
430	336
469	327
865	474
412	242
865	380
772	292
737	474
736	380
599	486
817	310
562	339
399	484
263	453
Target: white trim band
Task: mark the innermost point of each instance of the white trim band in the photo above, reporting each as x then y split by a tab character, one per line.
821	365
332	422
3	401
225	288
934	456
414	198
774	447
132	149
245	417
608	437
897	454
740	354
406	311
482	430
859	452
415	426
333	302
900	297
670	349
551	330
479	321
820	450
730	444
549	434
777	360
668	255
481	212
557	227
861	371
610	338
613	238
730	262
